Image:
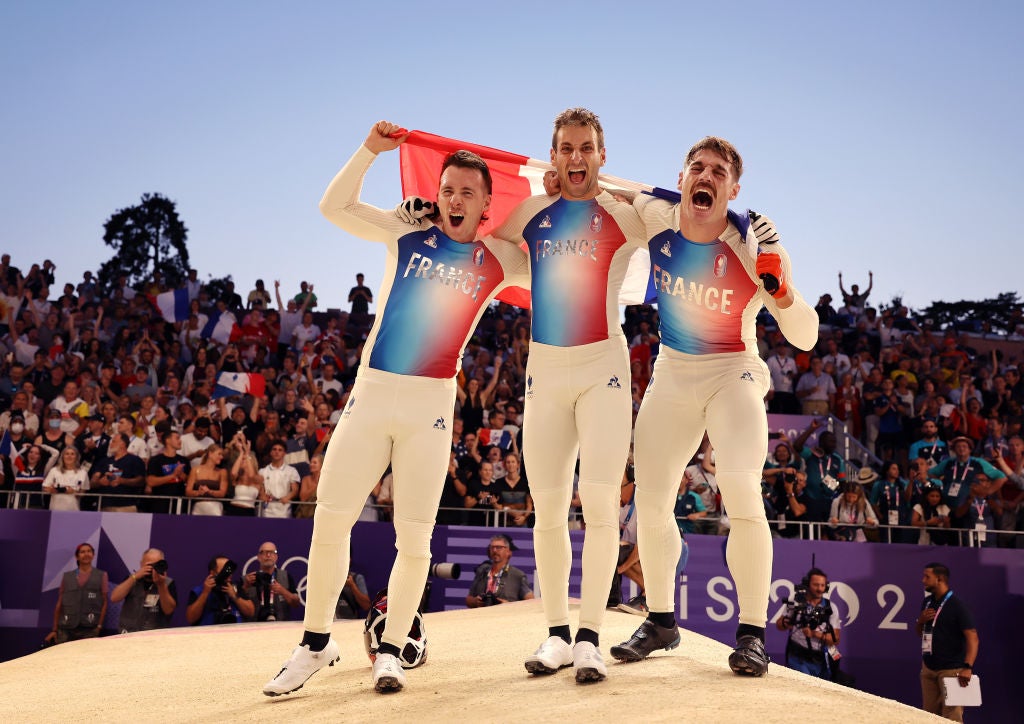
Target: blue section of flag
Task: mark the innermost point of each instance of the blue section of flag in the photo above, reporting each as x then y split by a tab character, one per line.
230	384
173	305
220	328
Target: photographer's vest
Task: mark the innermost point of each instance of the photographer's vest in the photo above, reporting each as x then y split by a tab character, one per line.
136	616
81	606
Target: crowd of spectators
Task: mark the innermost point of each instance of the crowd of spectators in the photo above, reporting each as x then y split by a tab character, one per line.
133	395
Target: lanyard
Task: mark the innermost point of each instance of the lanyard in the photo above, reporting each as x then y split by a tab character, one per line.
494	581
891	488
935	618
629	513
967	469
980	505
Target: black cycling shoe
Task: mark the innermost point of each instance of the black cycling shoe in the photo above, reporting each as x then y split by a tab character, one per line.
648	638
749	657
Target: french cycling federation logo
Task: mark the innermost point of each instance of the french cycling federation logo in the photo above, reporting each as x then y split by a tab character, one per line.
478	256
666	249
747	376
596	222
529	386
614	382
431	241
439	424
545	222
348	407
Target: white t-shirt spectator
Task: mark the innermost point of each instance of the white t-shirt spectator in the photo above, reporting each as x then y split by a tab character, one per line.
277	484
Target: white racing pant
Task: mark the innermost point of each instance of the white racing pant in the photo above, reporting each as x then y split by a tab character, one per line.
577	402
392	418
724	394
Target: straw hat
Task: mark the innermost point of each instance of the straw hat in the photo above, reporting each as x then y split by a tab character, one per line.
865	476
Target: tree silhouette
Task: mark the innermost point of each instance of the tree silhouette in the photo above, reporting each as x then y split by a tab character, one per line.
1003	313
147	238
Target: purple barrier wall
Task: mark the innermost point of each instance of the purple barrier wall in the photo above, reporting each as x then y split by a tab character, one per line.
876	588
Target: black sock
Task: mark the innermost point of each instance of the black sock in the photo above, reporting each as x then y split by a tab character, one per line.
388	649
665	620
587	634
561	632
315	641
745	629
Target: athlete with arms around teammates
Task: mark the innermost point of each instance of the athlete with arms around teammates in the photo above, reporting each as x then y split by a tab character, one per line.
709	376
438	280
577	390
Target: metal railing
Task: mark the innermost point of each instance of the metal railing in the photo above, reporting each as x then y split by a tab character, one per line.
500	518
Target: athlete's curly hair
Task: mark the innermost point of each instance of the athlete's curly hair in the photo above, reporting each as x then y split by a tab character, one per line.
578	117
720	146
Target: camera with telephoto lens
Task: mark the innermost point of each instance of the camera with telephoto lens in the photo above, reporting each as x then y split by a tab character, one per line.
489	599
447	571
225	574
264	598
224	612
160	566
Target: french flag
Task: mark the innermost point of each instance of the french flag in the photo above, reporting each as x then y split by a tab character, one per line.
515	177
501	438
222	328
230	384
172	305
7	448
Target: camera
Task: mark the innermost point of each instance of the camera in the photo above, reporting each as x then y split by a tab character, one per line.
802	613
489	599
264	598
160	567
447	571
225	573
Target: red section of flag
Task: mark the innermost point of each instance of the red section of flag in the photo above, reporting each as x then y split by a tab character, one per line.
421	157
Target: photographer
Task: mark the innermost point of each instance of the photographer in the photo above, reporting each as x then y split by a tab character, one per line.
149	594
217	599
81	600
813	627
496	581
270	589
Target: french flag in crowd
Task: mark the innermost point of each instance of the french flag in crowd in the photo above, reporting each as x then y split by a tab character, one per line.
222	328
7	448
172	305
515	177
489	438
230	384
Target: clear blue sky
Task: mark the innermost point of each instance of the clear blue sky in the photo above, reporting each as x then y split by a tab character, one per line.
878	135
